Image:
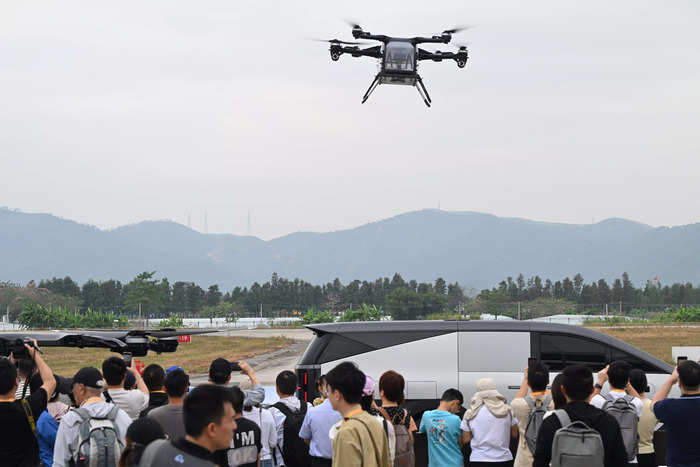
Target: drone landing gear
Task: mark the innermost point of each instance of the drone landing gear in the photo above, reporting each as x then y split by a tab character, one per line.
418	84
423	92
371	89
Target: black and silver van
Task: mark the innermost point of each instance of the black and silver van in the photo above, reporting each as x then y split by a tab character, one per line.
436	355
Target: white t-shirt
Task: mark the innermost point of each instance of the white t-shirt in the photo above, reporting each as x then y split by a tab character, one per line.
490	436
132	402
599	401
264	419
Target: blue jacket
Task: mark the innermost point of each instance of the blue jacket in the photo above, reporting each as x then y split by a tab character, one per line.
46	428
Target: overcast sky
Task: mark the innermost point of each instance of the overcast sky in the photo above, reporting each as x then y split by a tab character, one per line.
117	112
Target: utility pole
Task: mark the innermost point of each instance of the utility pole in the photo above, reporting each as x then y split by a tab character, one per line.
606	309
518	311
620	307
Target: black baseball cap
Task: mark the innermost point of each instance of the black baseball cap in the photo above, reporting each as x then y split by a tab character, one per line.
90	377
220	368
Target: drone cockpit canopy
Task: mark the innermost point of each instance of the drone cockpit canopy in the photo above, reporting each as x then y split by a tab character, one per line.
399	57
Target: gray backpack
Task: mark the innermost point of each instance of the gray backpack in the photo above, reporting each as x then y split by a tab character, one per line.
534	420
404	456
99	444
625	413
576	444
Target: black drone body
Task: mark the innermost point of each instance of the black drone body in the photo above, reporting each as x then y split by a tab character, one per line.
136	342
399	57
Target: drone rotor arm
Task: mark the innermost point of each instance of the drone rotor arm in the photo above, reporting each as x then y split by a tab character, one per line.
460	57
444	39
374	52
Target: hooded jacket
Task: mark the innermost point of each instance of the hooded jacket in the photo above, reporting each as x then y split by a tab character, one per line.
68	430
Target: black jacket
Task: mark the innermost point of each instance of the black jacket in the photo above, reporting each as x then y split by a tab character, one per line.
602	422
156	399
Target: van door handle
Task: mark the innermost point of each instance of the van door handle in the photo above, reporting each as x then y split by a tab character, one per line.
514	387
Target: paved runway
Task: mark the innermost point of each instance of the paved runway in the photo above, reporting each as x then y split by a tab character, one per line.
268	365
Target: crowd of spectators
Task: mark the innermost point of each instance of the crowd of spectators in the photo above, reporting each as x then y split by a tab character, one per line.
118	416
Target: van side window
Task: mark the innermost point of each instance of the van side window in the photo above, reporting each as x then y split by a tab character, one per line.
560	350
341	347
636	362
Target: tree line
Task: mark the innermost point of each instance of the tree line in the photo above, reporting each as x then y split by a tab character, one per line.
597	292
157	297
402	299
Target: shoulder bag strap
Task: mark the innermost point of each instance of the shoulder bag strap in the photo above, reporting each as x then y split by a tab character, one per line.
108	398
282	407
384	413
530	402
30	416
563	417
374	445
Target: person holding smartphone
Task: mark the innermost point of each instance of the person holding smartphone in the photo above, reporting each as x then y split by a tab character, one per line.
132	402
535	380
680	416
18	442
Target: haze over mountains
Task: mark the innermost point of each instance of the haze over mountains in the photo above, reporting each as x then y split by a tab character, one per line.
478	250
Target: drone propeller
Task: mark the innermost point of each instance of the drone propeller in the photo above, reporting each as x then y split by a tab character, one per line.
456	29
336	41
352	24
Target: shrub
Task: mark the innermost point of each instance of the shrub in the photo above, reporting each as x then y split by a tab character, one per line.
38	316
313	316
173	321
364	313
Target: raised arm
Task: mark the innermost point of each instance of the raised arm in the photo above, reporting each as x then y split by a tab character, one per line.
665	388
47	378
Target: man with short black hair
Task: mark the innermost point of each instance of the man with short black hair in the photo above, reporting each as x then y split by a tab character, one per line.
617	374
442	430
681	416
170	416
286	386
536	380
154	378
220	373
360	441
88	385
577	387
209	425
18	444
132	402
247	438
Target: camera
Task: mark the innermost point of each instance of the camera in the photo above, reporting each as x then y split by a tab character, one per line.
16	348
234	366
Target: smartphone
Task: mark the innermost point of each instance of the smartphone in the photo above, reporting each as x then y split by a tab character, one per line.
680	359
531	362
127	358
235	366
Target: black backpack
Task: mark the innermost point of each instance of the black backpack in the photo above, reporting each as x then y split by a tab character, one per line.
295	452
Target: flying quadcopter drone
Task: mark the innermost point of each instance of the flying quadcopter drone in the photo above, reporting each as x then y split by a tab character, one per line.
399	57
136	342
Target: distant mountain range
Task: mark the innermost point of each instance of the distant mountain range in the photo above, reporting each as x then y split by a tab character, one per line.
478	250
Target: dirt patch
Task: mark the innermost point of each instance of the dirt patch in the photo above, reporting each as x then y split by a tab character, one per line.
195	356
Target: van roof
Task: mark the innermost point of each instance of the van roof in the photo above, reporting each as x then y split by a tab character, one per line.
448	326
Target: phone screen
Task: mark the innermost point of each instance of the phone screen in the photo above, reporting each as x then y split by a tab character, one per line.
127	359
531	362
680	359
